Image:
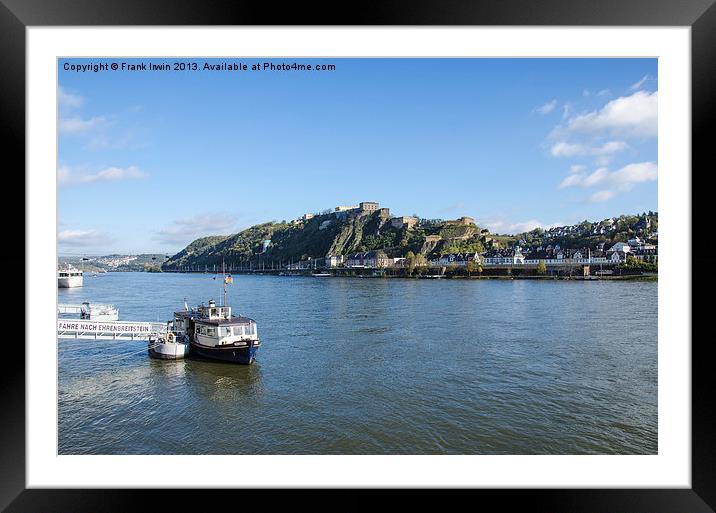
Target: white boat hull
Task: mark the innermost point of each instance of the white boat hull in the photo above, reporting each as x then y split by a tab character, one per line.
69	282
169	351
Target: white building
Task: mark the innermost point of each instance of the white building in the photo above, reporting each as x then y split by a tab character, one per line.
334	260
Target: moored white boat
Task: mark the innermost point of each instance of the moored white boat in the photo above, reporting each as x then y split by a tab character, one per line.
172	345
94	312
69	277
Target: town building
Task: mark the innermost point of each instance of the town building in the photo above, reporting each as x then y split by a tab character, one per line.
372	259
618	256
647	254
504	257
456	259
355	260
377	258
334	260
620	246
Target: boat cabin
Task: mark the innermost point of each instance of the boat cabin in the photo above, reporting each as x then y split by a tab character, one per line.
213	325
213	312
68	273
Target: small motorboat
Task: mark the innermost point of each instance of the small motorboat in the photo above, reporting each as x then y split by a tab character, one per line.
171	345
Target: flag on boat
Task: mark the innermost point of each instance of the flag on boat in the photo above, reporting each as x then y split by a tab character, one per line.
228	279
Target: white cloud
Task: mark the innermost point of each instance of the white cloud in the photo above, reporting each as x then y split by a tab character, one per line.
66	176
635	173
547	107
82	238
68	100
571	180
603	92
565	149
622	180
76	124
599	196
183	231
640	83
577	168
626	116
505	227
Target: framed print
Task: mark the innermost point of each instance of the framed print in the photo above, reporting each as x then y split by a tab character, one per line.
406	248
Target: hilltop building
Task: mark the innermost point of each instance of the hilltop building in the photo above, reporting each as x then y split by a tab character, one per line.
464	221
369	206
404	222
342	211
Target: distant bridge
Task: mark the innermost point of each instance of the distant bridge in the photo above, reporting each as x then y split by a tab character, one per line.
108	330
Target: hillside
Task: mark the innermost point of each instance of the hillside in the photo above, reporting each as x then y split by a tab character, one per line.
114	262
329	234
343	233
590	234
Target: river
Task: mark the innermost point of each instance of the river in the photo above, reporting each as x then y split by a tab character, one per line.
373	366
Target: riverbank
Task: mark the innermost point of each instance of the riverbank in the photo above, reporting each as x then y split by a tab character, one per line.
515	274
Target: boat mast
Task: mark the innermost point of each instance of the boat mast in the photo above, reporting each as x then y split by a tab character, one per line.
223	272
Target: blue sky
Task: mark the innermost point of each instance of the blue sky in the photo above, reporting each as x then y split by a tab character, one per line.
148	161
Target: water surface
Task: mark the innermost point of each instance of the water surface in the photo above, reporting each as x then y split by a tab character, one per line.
373	366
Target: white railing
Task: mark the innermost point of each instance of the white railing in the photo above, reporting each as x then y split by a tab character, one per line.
69	309
108	330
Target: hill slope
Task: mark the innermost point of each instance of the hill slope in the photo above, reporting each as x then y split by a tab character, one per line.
326	234
346	233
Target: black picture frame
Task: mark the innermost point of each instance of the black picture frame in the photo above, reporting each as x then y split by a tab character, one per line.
700	15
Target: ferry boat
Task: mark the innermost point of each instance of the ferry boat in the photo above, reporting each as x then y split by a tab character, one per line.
69	277
171	345
215	333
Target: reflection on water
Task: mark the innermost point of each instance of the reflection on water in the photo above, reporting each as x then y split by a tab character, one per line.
371	366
